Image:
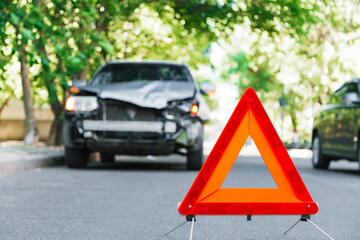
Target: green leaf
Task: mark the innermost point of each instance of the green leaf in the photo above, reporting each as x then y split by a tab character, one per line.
32	20
59	48
74	61
27	34
45	62
36	10
81	55
14	18
108	47
95	36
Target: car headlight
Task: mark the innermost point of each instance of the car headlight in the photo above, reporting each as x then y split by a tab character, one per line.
179	108
189	107
194	109
81	104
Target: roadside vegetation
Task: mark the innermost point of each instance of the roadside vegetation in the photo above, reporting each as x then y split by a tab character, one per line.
299	51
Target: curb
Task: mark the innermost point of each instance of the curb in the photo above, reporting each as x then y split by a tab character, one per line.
27	163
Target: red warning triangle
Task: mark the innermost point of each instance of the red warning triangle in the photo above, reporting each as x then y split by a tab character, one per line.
206	197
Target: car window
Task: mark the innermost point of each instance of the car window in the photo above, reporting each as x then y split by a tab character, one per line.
116	73
337	96
353	87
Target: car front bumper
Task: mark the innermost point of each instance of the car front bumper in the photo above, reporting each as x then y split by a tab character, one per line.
129	126
137	137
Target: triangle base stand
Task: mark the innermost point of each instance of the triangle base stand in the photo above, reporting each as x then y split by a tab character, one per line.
192	219
303	218
306	218
189	218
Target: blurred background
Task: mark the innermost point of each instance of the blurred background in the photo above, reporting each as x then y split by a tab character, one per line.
293	53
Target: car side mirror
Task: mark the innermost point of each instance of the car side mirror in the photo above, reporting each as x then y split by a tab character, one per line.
350	97
78	83
207	88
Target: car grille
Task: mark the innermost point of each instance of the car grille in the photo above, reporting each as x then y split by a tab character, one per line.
117	111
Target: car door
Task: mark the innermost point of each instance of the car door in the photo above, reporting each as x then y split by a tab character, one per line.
346	130
329	123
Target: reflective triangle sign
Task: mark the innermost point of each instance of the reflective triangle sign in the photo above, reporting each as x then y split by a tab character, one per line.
206	197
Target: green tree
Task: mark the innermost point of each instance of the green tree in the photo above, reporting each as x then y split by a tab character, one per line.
302	65
66	40
16	21
64	48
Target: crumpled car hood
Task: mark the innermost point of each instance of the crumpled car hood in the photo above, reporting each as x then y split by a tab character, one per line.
149	94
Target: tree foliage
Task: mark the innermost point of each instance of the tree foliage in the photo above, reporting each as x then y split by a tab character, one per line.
304	68
65	40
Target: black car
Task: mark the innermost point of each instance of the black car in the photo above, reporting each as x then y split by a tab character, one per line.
136	108
336	128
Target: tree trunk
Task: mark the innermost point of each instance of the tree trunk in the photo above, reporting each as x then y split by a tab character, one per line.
296	143
55	136
32	131
293	121
103	26
83	74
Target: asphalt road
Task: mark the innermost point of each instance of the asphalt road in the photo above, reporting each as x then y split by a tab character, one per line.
137	199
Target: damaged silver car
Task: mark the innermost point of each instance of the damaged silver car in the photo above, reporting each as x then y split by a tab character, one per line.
136	108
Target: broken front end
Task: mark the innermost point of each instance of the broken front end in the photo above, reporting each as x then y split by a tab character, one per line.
118	127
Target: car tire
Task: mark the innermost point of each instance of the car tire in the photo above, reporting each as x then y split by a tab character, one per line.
107	157
195	159
76	158
319	161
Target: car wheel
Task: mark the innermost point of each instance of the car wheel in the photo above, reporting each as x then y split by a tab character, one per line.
319	161
76	158
195	159
107	157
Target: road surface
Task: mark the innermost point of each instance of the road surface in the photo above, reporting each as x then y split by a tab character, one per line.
137	199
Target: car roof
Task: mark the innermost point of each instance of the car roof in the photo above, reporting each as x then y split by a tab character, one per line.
145	62
353	80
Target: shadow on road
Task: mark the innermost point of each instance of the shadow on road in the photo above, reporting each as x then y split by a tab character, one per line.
168	163
345	171
127	165
344	167
178	163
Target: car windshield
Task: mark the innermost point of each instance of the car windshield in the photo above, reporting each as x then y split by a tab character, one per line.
123	72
